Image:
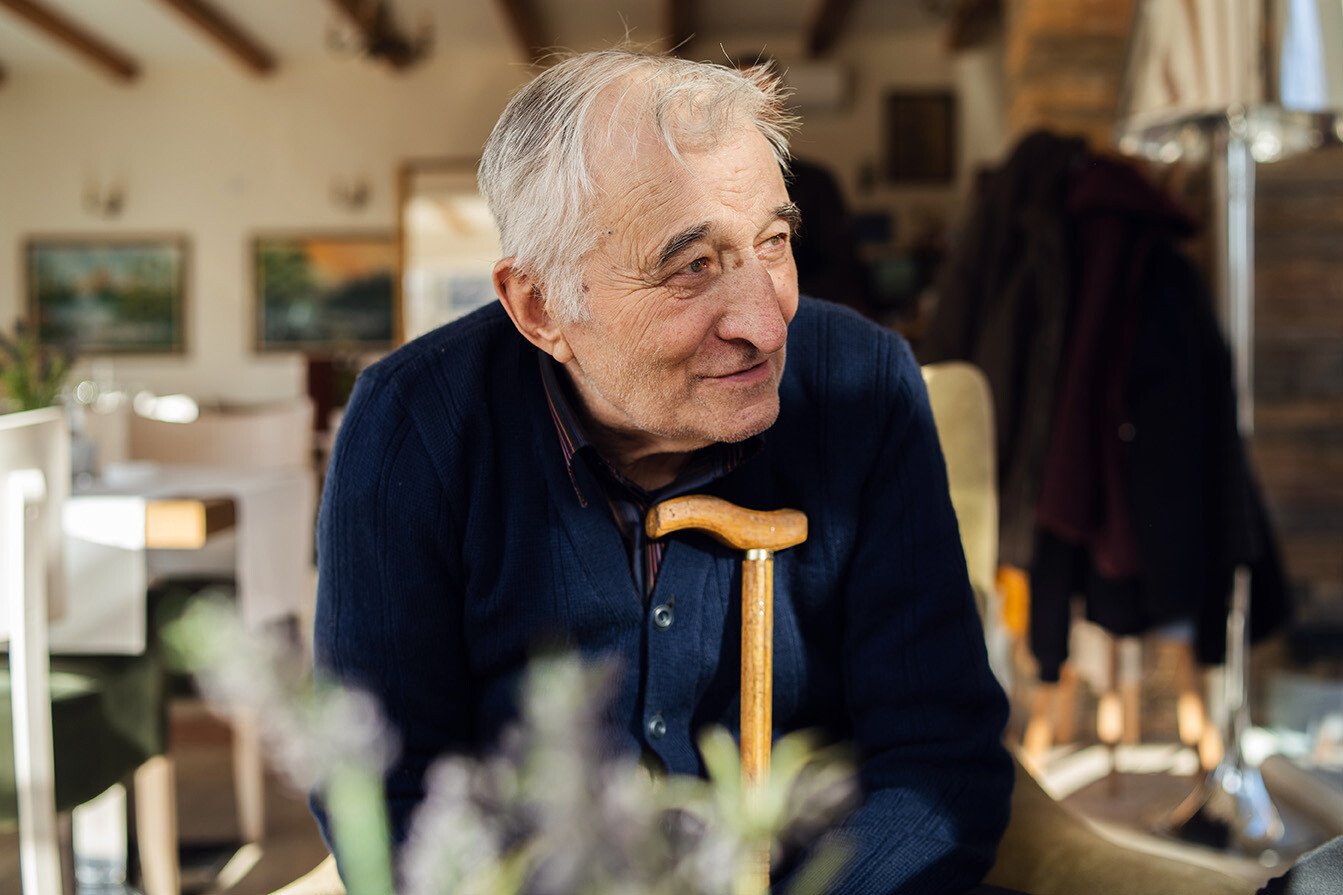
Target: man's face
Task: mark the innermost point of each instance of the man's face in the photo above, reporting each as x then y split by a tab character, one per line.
690	291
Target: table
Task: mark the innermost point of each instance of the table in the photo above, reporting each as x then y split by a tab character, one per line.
187	523
141	521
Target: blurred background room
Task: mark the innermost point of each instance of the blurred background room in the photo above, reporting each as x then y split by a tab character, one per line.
1126	215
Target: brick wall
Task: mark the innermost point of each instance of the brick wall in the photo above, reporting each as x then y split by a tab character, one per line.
1298	443
1063	61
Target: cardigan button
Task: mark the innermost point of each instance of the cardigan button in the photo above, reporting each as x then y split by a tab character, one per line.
657	728
662	616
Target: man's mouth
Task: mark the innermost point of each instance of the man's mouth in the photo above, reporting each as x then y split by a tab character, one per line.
745	375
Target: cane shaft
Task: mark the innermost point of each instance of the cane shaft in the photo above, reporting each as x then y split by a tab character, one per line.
757	689
757	664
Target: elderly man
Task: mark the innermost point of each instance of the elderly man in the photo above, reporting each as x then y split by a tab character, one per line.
488	488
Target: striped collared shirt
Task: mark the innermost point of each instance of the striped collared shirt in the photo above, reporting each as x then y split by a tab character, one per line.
629	503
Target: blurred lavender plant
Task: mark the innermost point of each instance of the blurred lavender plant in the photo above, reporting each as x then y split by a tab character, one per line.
551	812
32	374
319	737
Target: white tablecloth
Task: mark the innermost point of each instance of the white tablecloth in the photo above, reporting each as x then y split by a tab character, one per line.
269	552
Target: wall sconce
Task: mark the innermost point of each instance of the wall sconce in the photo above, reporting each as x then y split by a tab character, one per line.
350	193
105	201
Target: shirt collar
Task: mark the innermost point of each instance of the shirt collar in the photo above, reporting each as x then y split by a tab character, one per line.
706	465
568	427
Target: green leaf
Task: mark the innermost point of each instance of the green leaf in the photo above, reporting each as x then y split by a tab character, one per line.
32	374
358	811
722	759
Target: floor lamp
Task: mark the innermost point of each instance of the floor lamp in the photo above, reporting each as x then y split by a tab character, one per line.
1235	82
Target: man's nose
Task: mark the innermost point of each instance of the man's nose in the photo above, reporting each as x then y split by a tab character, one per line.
754	313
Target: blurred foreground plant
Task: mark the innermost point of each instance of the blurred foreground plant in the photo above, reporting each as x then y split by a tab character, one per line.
552	812
320	737
31	374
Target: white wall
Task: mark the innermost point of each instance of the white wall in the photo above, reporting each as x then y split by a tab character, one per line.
221	157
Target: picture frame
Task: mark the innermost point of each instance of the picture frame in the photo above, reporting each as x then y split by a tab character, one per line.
109	294
921	137
324	294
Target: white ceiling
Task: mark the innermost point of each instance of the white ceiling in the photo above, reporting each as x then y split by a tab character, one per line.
155	35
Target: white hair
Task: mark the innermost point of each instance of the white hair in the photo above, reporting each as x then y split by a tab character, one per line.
535	171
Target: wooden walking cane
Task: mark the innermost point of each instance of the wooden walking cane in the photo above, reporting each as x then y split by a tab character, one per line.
759	534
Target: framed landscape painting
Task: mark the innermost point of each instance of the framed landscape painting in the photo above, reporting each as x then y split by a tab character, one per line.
325	294
109	295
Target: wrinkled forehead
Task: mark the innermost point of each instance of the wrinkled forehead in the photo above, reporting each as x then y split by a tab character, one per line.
647	163
647	195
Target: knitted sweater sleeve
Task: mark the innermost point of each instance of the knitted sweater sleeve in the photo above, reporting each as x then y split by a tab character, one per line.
389	618
927	712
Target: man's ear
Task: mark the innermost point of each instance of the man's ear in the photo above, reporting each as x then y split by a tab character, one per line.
525	303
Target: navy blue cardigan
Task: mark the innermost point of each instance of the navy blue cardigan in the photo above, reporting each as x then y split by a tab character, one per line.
452	545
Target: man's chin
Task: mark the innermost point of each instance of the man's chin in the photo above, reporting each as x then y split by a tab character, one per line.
739	427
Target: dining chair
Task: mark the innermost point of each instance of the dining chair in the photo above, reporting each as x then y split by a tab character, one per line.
252	436
71	728
258	436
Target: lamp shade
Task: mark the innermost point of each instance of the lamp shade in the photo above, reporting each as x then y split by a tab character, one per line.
1270	69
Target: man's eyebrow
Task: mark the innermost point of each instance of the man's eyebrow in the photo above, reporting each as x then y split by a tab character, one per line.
790	213
675	245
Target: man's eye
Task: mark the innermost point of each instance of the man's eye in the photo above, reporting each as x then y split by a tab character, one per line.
699	265
777	240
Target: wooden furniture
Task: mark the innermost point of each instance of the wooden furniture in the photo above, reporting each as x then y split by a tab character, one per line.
187	523
255	436
79	726
264	560
106	563
275	436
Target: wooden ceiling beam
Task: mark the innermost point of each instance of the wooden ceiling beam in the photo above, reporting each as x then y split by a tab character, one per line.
75	38
826	24
238	43
972	23
525	26
680	17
